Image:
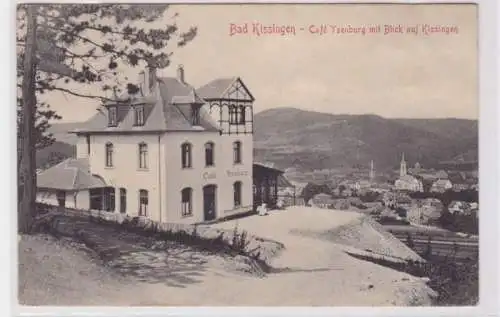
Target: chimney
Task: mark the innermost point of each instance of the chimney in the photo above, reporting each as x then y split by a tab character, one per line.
144	82
148	80
180	74
152	78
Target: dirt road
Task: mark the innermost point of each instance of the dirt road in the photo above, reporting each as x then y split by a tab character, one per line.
310	272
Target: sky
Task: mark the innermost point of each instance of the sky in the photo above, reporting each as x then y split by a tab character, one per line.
396	75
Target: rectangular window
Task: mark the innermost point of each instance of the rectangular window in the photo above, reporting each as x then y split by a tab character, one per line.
143	203
237	152
139	115
242	117
237	194
61	198
186	155
123	200
186	203
209	154
143	156
95	199
233	115
109	155
112	117
109	199
196	115
88	144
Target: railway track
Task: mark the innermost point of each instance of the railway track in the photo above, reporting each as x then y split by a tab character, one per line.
442	243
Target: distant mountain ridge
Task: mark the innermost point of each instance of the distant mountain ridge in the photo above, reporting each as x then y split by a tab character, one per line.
313	140
60	131
291	137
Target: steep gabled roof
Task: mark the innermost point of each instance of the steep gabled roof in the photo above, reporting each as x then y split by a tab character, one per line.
171	90
216	88
70	174
220	88
165	113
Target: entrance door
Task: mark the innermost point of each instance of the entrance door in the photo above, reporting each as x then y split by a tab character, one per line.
209	203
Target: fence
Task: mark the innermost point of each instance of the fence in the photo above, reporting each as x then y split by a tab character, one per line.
428	245
291	200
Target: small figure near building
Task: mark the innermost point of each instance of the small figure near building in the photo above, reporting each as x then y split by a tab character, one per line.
262	210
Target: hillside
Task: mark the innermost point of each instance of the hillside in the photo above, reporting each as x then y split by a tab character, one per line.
54	154
312	140
60	131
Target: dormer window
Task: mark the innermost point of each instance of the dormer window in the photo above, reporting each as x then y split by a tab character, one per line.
139	115
196	115
112	117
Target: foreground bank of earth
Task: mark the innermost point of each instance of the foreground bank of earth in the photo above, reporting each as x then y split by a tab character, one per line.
314	269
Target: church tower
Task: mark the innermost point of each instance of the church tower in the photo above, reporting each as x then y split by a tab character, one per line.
402	167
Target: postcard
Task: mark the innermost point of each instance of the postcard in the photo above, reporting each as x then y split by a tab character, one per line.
257	155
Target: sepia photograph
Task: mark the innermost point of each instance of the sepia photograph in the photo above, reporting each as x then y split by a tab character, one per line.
270	155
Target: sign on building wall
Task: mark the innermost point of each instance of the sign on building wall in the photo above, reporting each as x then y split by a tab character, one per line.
236	173
209	175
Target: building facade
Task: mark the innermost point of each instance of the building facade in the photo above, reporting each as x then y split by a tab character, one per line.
172	153
441	185
407	182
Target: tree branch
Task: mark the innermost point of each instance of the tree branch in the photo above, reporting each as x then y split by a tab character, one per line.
102	98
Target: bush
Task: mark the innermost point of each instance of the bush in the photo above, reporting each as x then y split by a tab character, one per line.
188	235
213	241
401	212
239	242
369	197
459	222
457	283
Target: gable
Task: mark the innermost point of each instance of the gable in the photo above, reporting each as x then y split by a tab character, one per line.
237	91
225	89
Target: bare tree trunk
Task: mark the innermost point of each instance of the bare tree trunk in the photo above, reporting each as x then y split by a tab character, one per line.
28	160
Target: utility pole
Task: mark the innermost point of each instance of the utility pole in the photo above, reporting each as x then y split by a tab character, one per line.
27	209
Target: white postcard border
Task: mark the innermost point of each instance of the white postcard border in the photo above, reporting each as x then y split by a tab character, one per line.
489	177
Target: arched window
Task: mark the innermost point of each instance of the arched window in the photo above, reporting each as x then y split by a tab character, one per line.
109	155
209	154
143	155
237	193
186	150
143	203
187	202
237	152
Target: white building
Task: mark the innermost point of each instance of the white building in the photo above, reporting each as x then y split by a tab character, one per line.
172	153
407	182
441	185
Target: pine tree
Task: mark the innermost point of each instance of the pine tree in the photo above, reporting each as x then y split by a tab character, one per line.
70	48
